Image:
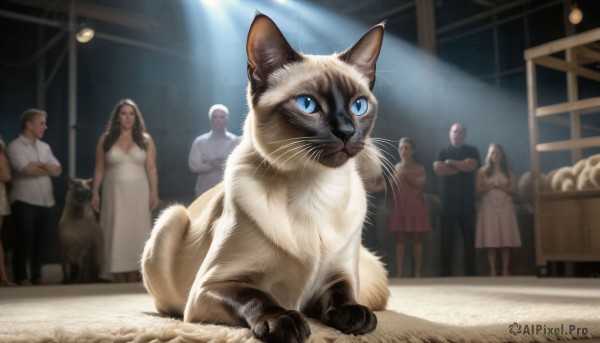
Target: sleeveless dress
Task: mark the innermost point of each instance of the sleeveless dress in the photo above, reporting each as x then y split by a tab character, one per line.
497	220
410	213
125	214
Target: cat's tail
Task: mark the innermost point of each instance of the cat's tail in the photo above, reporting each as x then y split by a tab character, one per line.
373	288
159	260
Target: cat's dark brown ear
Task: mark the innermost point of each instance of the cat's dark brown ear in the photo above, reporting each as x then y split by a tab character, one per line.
267	51
364	54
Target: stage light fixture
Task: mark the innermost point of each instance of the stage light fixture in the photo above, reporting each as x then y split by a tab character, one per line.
575	16
85	33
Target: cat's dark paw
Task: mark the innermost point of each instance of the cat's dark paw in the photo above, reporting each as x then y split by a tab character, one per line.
281	327
352	319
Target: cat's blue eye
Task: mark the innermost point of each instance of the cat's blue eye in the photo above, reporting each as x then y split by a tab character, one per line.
359	107
306	104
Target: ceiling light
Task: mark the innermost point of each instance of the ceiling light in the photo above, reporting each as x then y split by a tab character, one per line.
576	15
85	33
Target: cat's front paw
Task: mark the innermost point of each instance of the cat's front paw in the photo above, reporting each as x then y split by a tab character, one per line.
281	327
352	319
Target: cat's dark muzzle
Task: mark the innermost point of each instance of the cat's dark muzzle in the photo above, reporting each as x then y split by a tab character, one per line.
334	158
82	194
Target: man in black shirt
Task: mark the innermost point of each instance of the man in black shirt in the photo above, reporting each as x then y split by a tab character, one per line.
457	165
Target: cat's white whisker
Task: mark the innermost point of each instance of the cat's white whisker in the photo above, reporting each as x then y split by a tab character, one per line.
295	139
313	152
295	154
264	161
388	172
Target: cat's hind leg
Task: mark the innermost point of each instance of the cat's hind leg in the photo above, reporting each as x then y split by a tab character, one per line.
159	260
373	282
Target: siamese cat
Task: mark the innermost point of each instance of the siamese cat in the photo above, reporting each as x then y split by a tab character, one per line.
279	240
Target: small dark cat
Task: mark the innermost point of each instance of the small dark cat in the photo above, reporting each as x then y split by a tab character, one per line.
281	236
80	235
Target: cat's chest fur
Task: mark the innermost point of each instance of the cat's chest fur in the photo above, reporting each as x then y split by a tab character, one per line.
328	205
311	214
311	220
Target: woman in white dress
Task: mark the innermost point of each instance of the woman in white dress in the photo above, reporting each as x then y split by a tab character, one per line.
497	227
126	171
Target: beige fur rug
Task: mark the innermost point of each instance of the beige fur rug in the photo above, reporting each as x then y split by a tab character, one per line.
516	309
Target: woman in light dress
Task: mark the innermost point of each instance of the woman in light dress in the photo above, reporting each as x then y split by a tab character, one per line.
126	171
497	227
410	214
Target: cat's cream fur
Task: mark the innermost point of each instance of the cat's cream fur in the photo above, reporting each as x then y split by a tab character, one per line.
282	233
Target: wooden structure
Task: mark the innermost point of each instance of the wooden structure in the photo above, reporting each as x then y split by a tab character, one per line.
567	224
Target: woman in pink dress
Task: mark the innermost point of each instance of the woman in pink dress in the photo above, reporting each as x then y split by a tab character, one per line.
497	227
410	214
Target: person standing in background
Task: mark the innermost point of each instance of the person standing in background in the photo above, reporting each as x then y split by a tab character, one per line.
5	176
31	194
126	170
457	164
210	151
410	214
497	227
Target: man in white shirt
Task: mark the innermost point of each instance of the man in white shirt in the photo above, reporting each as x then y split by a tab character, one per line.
31	194
210	150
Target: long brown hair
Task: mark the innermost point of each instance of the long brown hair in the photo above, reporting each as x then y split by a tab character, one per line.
488	167
407	140
113	129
